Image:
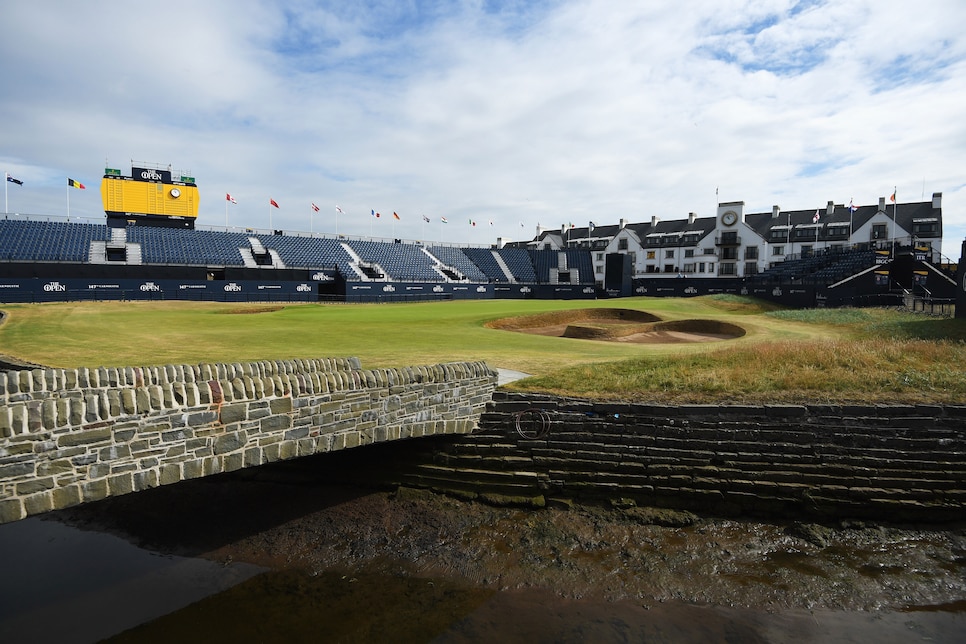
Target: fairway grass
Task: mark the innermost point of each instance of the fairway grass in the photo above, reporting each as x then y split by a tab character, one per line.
876	355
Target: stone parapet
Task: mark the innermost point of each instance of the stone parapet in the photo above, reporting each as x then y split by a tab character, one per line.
69	436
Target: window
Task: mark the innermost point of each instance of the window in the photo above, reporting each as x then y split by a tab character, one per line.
669	268
777	251
729	253
880	231
651	254
599	270
709	251
622	244
700	267
689	268
925	228
751	252
730	237
669	254
726	268
689	252
751	268
600	257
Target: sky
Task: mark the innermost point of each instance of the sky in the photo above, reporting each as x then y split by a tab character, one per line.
507	113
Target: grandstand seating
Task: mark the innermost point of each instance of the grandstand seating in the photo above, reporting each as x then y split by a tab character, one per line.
820	269
403	262
47	241
520	263
455	257
189	247
484	260
61	241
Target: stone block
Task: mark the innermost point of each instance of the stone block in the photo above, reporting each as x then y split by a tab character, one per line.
230	442
121	483
65	497
145	480
35	485
38	503
233	413
281	405
17	469
94	490
11	510
275	423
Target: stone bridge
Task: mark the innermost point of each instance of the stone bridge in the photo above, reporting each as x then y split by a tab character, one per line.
70	436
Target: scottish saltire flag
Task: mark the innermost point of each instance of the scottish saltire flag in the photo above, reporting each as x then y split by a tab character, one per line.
20	183
74	184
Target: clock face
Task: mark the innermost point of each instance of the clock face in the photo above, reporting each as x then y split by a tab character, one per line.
729	218
175	193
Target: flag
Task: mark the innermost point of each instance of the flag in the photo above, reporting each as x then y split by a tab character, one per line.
74	184
443	220
491	222
315	208
893	197
852	208
20	183
592	225
228	197
395	216
339	210
376	214
426	219
521	224
472	223
272	202
815	217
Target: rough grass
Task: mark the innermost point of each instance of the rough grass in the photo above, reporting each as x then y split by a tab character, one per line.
816	355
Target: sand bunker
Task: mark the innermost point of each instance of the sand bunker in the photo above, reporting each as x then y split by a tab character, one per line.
619	325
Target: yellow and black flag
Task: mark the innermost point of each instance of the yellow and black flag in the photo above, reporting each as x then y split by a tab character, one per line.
74	184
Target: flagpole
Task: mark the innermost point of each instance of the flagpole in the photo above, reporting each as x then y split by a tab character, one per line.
6	209
895	204
270	226
68	200
226	212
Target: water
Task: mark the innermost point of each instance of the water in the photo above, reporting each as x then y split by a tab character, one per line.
61	584
348	565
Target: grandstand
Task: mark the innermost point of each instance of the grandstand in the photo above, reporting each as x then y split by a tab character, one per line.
850	256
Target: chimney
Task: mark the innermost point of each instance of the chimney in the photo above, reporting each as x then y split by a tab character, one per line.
881	204
654	220
775	211
691	217
937	200
623	223
830	208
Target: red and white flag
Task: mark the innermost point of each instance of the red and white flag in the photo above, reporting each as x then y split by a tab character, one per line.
315	208
228	197
272	202
339	210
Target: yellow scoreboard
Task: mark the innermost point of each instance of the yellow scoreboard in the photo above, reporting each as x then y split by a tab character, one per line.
149	193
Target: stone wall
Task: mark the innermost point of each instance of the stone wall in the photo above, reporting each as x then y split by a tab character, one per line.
69	436
893	462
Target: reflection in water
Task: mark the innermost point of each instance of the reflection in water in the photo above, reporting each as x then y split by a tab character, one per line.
60	584
292	606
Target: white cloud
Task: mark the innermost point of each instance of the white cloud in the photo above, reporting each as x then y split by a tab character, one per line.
537	112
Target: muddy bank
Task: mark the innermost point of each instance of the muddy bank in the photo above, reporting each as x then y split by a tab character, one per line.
592	553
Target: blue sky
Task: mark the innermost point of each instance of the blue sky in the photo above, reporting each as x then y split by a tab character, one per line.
513	112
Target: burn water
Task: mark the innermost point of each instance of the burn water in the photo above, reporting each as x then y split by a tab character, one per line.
281	556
